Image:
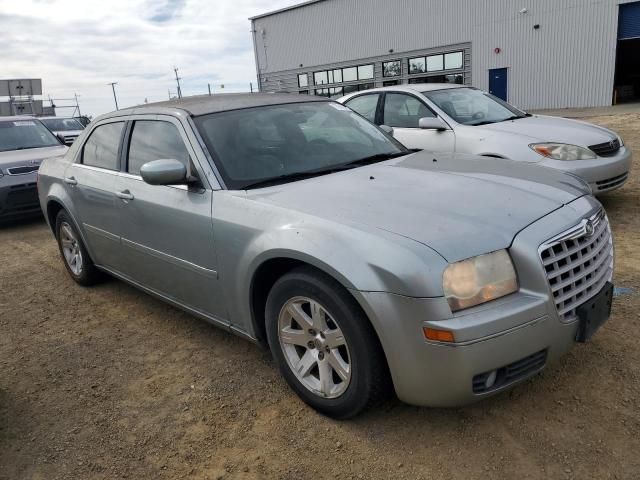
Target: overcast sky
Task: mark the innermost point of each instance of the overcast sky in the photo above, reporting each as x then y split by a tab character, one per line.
78	46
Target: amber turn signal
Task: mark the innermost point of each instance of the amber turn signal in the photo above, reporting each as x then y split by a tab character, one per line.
438	335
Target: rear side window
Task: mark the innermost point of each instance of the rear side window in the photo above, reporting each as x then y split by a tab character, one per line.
101	149
365	105
155	140
404	111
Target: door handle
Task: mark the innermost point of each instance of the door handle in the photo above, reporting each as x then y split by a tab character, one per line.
70	180
125	195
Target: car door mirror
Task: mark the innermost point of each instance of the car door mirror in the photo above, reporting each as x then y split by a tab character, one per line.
432	123
164	172
387	129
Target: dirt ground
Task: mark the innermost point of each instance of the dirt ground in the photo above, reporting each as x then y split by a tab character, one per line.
110	383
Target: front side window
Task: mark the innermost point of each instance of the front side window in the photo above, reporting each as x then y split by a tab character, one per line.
365	105
473	107
404	111
101	149
280	143
25	134
154	140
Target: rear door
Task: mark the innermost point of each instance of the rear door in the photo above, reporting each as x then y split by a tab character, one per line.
403	111
91	184
167	231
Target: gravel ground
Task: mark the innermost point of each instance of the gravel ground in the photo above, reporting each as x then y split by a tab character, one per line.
110	383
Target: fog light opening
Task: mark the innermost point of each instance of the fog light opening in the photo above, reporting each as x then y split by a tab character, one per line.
491	379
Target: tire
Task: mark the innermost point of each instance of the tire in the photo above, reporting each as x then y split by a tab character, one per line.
82	270
332	360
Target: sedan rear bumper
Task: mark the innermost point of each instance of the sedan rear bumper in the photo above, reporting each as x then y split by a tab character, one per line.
19	196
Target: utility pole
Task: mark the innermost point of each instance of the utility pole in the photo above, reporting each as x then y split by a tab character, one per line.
175	69
251	86
209	87
113	87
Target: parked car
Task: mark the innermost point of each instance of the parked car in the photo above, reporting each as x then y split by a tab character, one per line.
66	129
24	143
297	224
456	118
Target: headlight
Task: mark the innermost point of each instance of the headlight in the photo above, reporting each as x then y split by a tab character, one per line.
620	140
562	151
479	279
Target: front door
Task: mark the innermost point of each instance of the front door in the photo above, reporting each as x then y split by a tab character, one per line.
91	184
498	82
403	112
167	231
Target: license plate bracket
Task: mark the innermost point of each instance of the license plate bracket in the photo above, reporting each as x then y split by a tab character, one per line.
594	313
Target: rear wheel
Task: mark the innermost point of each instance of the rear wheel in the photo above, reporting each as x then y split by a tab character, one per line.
324	345
74	254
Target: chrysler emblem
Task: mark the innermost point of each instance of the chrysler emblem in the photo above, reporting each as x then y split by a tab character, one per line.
589	228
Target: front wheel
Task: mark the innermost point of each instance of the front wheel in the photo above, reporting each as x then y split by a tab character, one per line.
324	345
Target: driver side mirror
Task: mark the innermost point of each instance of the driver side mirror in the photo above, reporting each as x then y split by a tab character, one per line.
164	172
387	129
432	123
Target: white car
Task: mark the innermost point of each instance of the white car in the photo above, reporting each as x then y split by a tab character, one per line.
461	119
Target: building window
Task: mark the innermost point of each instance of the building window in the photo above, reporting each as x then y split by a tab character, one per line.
320	78
349	74
435	63
303	80
304	92
417	65
365	72
390	83
391	69
453	60
337	75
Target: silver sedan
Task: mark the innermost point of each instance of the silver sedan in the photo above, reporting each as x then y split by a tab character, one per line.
297	224
455	118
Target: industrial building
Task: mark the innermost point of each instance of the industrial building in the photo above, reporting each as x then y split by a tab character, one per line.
534	53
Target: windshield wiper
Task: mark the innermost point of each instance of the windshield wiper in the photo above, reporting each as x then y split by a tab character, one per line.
292	177
487	122
379	157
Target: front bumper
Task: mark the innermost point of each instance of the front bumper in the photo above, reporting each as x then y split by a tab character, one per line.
504	334
603	174
19	196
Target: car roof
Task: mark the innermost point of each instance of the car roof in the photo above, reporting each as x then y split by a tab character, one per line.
17	117
413	87
219	102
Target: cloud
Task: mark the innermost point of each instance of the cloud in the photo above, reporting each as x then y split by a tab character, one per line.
80	46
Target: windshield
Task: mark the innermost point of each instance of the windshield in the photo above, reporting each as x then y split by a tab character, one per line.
62	124
473	107
23	134
255	145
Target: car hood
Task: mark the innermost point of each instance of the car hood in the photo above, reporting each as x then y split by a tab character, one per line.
540	128
458	205
32	156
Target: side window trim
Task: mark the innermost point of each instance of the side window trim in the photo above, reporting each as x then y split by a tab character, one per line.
409	94
79	159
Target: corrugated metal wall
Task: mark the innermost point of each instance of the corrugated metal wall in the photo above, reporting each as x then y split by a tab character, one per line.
568	61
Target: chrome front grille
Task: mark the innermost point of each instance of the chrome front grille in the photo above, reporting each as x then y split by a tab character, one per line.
578	263
606	149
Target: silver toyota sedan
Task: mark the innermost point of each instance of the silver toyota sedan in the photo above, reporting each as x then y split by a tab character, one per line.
297	224
456	118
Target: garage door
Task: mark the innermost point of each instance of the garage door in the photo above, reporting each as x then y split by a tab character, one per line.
629	21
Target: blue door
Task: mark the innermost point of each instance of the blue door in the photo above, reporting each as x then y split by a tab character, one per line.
498	83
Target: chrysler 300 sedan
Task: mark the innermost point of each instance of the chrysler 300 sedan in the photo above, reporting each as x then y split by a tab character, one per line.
455	118
24	143
296	223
